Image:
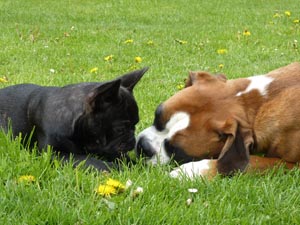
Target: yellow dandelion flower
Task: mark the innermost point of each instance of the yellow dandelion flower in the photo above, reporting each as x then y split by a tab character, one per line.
128	41
3	80
296	21
180	86
221	66
94	70
150	42
106	190
116	184
246	33
181	42
287	13
138	59
26	179
276	15
108	58
222	51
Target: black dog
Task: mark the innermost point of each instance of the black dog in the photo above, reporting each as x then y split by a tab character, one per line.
82	119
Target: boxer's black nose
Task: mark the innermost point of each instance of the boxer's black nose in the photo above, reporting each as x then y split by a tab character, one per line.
144	148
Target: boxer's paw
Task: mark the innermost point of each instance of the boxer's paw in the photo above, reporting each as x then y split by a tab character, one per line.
192	170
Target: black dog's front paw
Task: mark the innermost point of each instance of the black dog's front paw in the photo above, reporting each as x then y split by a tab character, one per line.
99	164
88	162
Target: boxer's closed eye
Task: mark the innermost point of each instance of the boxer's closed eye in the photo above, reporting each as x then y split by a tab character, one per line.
222	136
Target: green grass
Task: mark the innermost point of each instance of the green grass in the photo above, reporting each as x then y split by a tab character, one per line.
72	37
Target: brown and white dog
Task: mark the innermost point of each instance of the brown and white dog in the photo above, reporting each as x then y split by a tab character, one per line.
215	125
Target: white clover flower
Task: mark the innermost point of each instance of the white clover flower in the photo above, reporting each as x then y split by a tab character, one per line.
189	201
193	190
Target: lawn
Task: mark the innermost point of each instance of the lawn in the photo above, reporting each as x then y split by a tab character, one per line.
62	42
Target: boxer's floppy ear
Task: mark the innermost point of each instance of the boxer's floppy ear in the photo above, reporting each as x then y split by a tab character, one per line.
235	153
103	95
129	80
203	77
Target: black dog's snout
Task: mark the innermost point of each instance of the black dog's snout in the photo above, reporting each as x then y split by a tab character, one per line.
144	148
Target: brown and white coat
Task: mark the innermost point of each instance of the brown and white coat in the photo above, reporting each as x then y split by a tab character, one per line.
215	125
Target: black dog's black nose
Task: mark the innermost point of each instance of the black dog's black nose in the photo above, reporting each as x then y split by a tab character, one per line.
144	148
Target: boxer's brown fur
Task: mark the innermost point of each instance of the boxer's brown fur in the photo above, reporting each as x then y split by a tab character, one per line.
231	124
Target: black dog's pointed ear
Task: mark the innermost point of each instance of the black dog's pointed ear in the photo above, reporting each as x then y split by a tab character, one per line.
234	156
103	95
129	80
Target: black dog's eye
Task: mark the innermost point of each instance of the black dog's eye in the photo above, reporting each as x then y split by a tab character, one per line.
121	127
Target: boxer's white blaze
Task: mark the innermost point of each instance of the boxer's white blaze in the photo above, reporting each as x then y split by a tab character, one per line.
177	122
260	83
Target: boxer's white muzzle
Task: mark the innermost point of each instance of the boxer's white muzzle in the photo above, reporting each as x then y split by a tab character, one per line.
151	142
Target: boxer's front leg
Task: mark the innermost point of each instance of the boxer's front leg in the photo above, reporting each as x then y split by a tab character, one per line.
206	168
